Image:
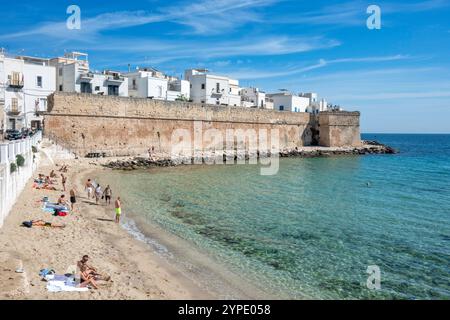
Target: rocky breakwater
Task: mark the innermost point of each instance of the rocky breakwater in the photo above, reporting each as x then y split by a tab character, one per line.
136	163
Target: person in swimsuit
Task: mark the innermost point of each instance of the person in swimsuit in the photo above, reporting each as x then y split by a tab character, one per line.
98	193
107	194
63	181
62	201
42	223
73	198
89	188
118	207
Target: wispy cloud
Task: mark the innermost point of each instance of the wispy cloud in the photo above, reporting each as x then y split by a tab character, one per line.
248	74
204	17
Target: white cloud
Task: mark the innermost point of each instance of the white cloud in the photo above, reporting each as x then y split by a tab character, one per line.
257	74
205	17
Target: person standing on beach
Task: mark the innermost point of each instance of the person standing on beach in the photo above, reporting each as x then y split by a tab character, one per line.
98	193
107	194
73	198
89	188
63	181
118	206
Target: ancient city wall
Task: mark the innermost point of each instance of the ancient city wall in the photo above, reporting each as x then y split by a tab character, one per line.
339	129
119	126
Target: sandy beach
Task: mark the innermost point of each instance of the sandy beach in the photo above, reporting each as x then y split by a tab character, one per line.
136	271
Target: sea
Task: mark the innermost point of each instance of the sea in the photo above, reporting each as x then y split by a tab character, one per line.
345	227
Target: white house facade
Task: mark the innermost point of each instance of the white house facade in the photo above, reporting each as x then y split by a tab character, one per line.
25	83
253	98
285	101
73	75
153	84
213	89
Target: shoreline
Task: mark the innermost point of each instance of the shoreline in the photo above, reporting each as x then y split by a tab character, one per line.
137	272
196	265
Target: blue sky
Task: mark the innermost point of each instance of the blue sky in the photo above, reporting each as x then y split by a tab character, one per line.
398	77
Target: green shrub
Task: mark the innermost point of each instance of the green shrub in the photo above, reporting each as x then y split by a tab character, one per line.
20	160
12	167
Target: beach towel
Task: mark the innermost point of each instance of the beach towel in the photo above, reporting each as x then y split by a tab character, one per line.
62	283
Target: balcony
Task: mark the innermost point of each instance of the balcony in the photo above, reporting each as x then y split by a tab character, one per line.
115	79
13	111
87	77
16	83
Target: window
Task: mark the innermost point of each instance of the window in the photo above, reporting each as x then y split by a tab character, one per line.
134	86
218	87
14	104
281	108
86	87
60	87
203	86
60	72
97	88
42	104
203	101
113	90
39	81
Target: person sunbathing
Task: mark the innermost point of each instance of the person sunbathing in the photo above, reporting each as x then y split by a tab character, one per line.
42	223
87	278
63	202
91	271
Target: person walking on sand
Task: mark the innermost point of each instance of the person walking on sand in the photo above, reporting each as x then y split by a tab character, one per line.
89	188
73	198
98	193
63	181
118	206
107	194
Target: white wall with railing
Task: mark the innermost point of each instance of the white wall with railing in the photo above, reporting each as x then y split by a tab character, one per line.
13	183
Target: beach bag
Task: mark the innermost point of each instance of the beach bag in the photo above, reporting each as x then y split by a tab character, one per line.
27	224
45	272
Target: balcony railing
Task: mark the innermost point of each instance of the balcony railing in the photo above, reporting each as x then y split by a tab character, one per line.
13	111
16	83
87	76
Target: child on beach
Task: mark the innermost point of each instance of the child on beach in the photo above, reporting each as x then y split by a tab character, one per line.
118	207
73	198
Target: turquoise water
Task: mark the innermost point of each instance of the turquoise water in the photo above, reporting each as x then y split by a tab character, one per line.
313	229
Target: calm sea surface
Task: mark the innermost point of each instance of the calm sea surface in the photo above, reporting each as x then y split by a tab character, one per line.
313	229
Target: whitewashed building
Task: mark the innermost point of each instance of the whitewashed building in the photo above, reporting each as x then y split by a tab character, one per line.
153	84
213	89
73	75
253	98
315	105
286	101
25	83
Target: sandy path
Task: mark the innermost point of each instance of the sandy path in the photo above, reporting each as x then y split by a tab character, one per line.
137	273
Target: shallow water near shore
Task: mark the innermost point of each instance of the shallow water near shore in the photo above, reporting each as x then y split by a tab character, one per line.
313	229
